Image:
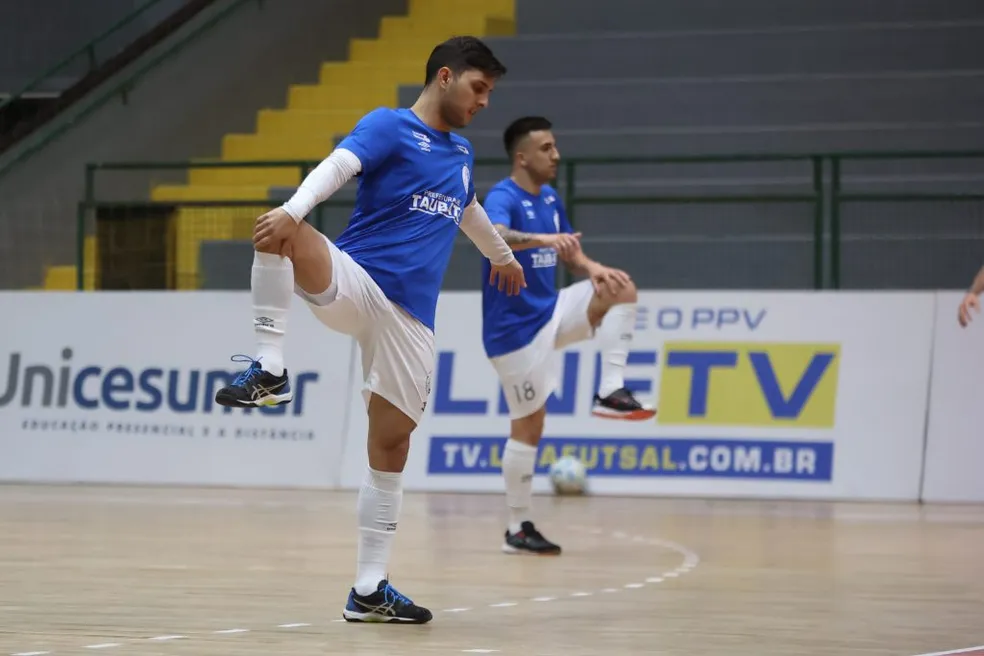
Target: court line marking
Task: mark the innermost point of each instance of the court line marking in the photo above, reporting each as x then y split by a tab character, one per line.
691	560
955	651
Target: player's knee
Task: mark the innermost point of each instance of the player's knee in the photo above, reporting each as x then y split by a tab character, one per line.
628	293
528	429
396	445
388	452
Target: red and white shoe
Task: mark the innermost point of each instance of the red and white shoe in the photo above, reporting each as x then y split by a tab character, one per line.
621	404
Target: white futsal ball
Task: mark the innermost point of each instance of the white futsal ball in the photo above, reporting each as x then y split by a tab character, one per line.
568	476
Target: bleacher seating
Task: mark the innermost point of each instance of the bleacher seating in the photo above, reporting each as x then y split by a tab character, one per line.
764	76
677	77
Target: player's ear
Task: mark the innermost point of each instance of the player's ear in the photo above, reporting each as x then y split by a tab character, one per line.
445	77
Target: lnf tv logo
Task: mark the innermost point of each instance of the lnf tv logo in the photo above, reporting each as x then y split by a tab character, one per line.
700	383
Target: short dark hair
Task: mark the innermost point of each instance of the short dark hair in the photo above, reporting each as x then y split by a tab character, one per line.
520	128
463	53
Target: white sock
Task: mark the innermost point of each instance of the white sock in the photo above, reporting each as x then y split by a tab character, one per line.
518	463
380	498
615	335
272	285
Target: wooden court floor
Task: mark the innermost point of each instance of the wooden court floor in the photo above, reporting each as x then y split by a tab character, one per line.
181	572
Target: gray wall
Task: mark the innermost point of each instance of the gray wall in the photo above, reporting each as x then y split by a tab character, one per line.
766	76
36	35
179	111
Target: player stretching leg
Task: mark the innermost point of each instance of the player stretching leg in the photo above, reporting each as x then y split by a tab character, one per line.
522	333
379	283
970	300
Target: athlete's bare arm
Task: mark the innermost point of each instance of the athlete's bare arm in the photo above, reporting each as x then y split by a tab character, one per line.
605	280
565	244
580	264
970	300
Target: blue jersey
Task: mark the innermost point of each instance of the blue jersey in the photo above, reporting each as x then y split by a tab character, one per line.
414	185
511	322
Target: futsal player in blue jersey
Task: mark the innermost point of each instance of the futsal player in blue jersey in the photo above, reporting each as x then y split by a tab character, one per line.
522	333
379	282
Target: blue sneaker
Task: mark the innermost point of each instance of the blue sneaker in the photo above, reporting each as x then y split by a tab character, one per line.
255	387
384	605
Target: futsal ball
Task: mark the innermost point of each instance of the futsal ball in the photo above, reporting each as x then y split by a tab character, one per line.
568	476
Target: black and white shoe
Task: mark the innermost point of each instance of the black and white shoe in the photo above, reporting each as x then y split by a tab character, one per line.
384	605
529	541
621	404
255	387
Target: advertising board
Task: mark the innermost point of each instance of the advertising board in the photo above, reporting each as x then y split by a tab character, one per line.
776	395
955	435
118	387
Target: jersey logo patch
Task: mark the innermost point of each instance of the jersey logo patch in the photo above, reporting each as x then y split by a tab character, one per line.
436	204
422	140
465	177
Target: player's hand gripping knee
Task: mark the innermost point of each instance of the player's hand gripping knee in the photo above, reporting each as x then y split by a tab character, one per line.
273	232
608	282
511	277
969	303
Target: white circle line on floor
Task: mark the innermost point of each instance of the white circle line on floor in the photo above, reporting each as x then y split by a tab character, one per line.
690	561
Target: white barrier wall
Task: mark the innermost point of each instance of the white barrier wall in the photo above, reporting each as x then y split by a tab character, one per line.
955	449
759	395
771	395
119	387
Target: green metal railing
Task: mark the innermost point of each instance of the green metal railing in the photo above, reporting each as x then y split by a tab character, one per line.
119	88
837	196
822	191
88	51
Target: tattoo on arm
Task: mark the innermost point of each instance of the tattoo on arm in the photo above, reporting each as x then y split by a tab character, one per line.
513	237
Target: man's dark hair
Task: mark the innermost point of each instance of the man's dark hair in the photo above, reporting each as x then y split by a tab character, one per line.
463	53
520	128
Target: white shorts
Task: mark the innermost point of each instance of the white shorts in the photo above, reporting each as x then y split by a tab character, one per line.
397	350
531	374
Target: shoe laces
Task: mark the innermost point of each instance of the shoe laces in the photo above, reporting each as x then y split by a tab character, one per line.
532	533
392	596
252	370
625	395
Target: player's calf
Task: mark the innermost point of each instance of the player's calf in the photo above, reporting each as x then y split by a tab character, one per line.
255	387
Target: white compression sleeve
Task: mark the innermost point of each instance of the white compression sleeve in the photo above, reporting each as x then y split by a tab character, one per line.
327	178
476	224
